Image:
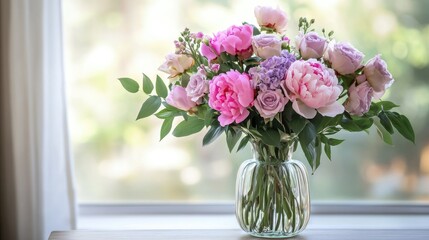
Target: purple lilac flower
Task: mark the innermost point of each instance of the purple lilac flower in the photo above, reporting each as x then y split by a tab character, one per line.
269	74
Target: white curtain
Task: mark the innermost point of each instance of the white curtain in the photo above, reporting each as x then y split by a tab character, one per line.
34	122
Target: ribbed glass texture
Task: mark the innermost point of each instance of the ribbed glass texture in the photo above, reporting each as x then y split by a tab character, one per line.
272	197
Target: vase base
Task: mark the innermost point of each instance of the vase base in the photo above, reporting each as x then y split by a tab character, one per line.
273	235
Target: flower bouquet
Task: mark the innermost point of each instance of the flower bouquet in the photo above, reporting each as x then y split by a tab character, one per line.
257	85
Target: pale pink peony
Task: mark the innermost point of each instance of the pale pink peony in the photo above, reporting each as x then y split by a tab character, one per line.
359	101
178	98
230	94
267	45
311	45
345	59
236	40
269	103
377	75
176	64
272	18
197	87
312	88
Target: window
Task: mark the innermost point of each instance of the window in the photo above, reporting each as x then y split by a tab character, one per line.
120	160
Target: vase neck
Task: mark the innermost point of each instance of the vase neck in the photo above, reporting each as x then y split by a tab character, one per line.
273	154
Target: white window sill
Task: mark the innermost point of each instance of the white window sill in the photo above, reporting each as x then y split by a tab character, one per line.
228	221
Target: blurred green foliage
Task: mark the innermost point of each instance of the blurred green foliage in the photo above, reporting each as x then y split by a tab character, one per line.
118	159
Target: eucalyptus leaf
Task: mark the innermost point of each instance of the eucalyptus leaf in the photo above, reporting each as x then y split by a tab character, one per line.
147	84
166	127
161	89
129	84
187	127
149	107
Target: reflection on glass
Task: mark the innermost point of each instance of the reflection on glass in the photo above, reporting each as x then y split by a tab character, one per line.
118	159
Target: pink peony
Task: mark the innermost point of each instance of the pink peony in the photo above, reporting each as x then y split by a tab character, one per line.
231	94
236	40
267	45
312	88
345	59
377	75
178	98
197	87
359	100
311	45
176	64
269	103
272	18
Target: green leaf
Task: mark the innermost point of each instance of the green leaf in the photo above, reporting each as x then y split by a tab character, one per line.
322	122
270	136
307	140
243	142
208	117
402	124
188	127
232	138
129	84
318	153
297	125
384	120
168	112
184	80
383	133
149	107
328	151
166	127
161	89
356	124
387	105
213	133
147	84
334	142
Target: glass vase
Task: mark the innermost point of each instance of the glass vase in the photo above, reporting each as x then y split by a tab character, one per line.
272	196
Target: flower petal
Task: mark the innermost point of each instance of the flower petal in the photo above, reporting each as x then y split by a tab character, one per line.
331	110
304	110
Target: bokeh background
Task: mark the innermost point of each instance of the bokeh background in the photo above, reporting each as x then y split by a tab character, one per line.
120	160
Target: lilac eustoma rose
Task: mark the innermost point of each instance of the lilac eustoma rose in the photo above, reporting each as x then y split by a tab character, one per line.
266	45
345	59
230	94
359	101
197	87
311	45
269	103
178	98
312	88
272	18
377	75
176	64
